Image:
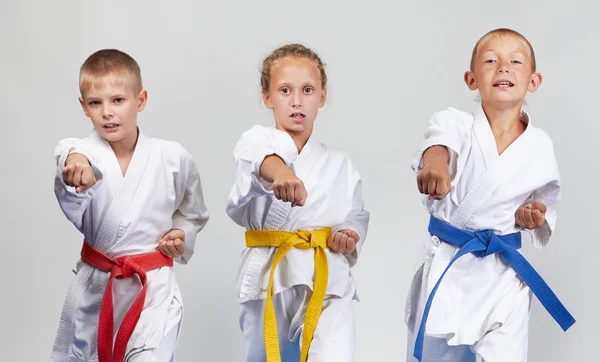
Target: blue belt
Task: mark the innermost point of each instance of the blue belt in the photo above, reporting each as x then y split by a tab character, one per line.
482	244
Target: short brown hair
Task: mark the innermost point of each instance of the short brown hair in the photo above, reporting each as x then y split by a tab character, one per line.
110	62
290	50
502	32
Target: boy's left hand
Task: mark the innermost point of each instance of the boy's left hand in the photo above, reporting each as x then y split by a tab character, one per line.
343	241
172	243
531	216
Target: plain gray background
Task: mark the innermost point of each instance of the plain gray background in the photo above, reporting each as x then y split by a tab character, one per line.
390	64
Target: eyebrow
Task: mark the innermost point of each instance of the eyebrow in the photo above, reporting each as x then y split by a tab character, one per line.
303	84
495	51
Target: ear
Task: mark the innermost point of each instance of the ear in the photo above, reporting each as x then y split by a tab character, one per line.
142	99
83	106
470	80
323	98
535	83
267	100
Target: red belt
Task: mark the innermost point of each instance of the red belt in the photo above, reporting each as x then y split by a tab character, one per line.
122	267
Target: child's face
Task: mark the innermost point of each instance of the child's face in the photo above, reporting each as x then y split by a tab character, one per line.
503	71
295	94
113	108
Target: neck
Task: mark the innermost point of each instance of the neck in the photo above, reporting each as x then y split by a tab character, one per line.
125	147
299	138
504	119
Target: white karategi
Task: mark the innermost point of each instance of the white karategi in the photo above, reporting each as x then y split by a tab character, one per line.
128	215
334	200
482	306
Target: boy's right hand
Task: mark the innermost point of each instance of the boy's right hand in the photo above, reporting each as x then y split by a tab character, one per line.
288	187
434	178
78	173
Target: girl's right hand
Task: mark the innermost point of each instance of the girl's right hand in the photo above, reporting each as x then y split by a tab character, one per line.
289	188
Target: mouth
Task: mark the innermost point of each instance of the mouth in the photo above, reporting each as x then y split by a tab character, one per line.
298	117
110	126
503	84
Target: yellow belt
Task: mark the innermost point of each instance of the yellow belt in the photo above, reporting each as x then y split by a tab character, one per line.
285	241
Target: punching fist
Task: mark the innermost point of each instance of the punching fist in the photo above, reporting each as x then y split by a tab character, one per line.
78	173
434	178
288	187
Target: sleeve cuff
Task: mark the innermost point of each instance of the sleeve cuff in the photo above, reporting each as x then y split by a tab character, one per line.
95	168
190	238
453	152
353	258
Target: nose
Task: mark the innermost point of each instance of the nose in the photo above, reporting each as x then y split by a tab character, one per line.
503	67
107	111
296	100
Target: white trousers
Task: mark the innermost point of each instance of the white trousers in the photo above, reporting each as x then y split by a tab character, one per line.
334	338
165	352
507	343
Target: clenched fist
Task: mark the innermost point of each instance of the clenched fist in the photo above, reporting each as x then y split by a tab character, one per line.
343	241
531	216
78	173
172	243
434	178
288	187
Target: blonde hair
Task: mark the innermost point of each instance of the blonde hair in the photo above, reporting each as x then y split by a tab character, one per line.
290	50
110	62
500	33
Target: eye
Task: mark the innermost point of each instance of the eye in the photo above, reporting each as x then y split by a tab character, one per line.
516	62
490	60
308	90
285	90
119	100
94	103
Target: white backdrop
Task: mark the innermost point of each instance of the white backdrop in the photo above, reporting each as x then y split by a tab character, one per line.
391	64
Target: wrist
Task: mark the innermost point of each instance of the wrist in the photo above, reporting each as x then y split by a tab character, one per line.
283	172
76	158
